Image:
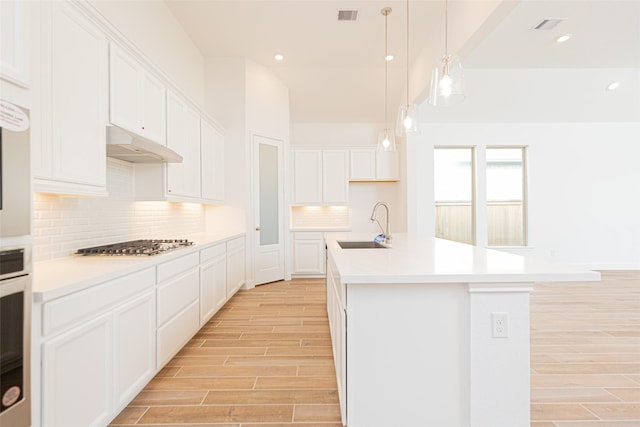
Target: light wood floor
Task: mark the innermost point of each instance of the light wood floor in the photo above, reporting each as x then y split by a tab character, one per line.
265	360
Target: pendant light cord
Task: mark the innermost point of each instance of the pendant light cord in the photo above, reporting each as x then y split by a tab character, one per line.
407	59
386	64
446	25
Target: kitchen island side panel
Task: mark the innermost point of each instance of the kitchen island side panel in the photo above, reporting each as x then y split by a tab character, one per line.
407	355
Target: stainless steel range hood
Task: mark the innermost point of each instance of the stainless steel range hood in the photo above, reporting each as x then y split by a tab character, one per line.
127	146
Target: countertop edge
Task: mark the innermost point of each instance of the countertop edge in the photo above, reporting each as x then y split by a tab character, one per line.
417	259
59	277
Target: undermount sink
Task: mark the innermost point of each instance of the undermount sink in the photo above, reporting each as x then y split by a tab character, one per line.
361	245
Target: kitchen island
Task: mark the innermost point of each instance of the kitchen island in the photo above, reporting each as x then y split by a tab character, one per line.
430	332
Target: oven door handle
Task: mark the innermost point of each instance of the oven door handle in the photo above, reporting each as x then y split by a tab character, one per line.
14	285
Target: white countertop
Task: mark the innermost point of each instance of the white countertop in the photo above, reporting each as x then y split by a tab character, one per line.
62	276
422	259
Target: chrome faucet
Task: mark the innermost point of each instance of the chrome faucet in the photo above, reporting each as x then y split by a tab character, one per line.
387	236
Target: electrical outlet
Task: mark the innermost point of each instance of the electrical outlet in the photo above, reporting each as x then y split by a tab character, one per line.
500	325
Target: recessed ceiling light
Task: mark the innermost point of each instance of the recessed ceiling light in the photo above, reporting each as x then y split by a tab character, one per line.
278	57
613	86
563	38
389	57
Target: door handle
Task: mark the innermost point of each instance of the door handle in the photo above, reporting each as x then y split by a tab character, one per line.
258	228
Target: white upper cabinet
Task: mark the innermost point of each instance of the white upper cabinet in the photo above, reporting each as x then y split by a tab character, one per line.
362	164
199	178
137	98
335	176
307	176
369	164
211	163
320	177
183	136
14	41
70	158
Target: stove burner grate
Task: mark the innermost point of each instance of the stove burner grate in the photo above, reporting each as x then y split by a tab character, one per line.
136	247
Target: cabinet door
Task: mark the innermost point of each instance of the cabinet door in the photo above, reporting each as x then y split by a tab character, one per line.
77	376
338	327
335	176
153	108
76	57
176	333
213	284
183	136
135	347
211	163
124	101
177	310
176	112
192	154
307	176
387	166
14	50
235	265
308	253
362	164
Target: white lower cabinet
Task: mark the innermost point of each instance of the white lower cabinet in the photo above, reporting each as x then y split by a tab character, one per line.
178	305
135	347
98	350
213	281
308	253
235	265
100	346
77	378
338	326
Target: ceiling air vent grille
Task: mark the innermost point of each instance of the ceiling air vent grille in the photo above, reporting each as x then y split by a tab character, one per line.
548	23
347	15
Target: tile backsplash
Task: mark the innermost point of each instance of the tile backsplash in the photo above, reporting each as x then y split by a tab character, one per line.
319	217
64	224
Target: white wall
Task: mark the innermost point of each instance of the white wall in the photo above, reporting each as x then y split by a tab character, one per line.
249	100
362	195
584	202
245	97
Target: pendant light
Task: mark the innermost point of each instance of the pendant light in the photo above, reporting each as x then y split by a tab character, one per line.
447	79
386	137
407	113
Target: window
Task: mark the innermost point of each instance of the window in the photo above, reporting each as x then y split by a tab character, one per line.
499	179
506	203
454	194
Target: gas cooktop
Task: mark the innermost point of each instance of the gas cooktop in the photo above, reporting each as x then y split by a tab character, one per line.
136	247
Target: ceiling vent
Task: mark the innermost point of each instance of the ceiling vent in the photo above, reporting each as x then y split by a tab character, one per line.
347	15
548	23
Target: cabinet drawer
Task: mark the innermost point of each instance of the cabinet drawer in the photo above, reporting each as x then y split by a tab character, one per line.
235	244
68	311
175	295
308	235
173	268
173	335
212	252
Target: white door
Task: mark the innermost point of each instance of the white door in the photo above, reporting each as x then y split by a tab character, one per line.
268	209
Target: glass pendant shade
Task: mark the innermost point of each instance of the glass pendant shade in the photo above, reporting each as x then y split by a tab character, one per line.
447	82
407	122
386	140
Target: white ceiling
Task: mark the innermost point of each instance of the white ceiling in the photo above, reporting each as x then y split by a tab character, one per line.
335	72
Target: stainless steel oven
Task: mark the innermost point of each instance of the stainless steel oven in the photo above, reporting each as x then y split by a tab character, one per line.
15	266
15	315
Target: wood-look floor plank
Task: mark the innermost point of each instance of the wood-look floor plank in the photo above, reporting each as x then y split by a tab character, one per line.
268	350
